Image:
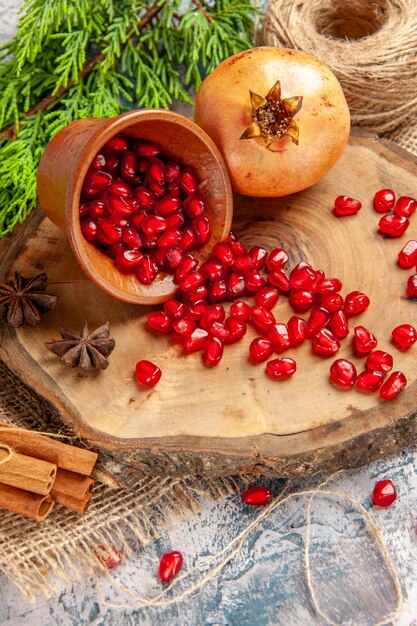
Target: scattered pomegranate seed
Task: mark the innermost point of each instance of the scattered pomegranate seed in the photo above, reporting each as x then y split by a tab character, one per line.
213	351
279	337
260	349
218	291
404	336
236	328
332	302
369	380
328	285
363	341
384	493
195	341
147	270
175	310
297	330
319	318
263	319
379	360
280	279
407	257
393	225
218	330
355	303
301	300
281	368
128	260
303	277
235	285
109	556
412	286
224	253
240	310
214	313
243	264
384	200
258	256
343	373
191	281
267	297
147	373
405	206
345	205
213	270
325	343
89	229
170	564
276	260
183	327
257	496
394	385
254	281
197	310
201	226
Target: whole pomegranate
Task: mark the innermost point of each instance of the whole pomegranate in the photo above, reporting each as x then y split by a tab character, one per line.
278	116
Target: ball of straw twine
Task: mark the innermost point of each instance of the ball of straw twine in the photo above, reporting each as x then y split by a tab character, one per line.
371	46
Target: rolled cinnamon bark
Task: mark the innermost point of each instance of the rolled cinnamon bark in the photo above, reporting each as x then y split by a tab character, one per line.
25	472
49	449
72	484
30	505
79	505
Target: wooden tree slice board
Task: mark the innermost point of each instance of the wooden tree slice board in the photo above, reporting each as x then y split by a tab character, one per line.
232	417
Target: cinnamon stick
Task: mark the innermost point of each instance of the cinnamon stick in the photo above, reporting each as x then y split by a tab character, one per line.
79	505
72	484
48	449
30	505
25	472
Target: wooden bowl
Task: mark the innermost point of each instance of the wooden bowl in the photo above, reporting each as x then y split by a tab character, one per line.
64	165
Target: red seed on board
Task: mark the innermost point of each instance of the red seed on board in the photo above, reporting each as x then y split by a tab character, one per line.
394	385
363	341
280	279
332	302
175	310
262	319
240	310
279	337
276	260
183	327
328	285
297	330
301	300
267	297
197	310
405	206
159	321
384	493
345	205
325	344
379	360
281	369
191	281
319	318
258	256
195	341
393	225
404	336
254	281
170	564
188	264
343	373
235	285
412	286
223	252
384	200
355	303
303	277
260	349
407	257
212	351
147	373
236	328
369	380
214	313
257	496
217	329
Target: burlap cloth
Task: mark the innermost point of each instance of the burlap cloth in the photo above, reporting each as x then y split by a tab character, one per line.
36	557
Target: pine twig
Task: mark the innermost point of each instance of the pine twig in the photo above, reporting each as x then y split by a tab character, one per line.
86	70
204	11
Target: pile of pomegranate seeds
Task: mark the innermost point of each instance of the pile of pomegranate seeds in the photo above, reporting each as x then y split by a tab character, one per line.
142	209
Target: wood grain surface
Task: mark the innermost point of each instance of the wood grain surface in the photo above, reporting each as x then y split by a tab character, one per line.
231	417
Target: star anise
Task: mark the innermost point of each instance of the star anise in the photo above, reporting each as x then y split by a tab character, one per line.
86	350
24	300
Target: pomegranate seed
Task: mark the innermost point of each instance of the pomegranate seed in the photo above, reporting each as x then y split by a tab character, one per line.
159	321
96	181
258	256
355	303
223	252
379	360
150	241
129	165
194	206
169	565
187	182
89	229
160	257
109	231
394	385
267	297
167	206
174	189
219	331
128	260
131	238
146	149
147	270
137	219
407	257
405	206
237	248
200	293
188	264
112	163
279	337
195	341
345	205
147	373
118	143
384	200
115	249
281	368
156	171
260	349
280	279
84	210
363	341
325	343
191	281
262	319
240	310
172	171
328	285
276	260
213	351
97	209
176	220
152	224
214	313
175	310
217	291
369	380
257	496
384	493
98	162
393	225
236	328
183	327
197	310
254	281
412	286
235	284
119	206
157	189
213	270
145	197
243	264
404	336
332	302
303	277
189	239
301	300
339	324
169	238
109	556
343	373
174	257
201	227
297	330
319	318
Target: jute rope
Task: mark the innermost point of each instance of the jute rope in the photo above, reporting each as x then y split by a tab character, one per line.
370	46
228	552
